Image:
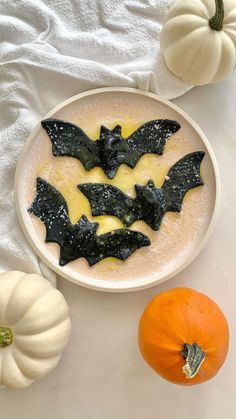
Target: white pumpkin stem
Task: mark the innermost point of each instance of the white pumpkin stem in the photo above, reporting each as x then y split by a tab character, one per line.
216	22
194	357
5	336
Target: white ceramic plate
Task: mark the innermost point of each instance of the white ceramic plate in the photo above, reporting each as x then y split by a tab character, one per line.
181	236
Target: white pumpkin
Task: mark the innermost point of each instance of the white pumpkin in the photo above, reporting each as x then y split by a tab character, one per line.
34	328
198	40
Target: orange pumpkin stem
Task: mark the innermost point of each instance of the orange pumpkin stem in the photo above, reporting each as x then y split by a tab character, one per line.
194	357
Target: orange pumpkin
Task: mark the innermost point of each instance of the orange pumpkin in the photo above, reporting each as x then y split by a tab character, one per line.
184	336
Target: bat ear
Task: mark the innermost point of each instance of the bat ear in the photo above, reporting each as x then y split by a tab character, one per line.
151	184
83	221
104	131
138	188
117	129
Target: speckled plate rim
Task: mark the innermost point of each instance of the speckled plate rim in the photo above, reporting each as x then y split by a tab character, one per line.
129	285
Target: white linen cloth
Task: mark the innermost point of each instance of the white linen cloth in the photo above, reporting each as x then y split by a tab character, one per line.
54	49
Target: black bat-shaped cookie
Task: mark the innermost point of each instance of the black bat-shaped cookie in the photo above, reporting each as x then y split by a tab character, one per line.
80	239
151	203
111	149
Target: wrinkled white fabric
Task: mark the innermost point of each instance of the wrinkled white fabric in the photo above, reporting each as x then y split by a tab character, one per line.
54	49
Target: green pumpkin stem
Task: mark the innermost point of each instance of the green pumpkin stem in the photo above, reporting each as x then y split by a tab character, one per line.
216	22
5	336
194	357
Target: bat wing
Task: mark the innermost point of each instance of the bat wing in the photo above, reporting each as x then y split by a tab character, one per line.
119	243
151	137
70	140
50	206
183	176
109	200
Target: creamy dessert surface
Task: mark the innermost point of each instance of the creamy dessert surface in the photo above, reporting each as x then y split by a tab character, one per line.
179	232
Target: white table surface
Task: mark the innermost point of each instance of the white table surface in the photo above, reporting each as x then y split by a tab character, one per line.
101	374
